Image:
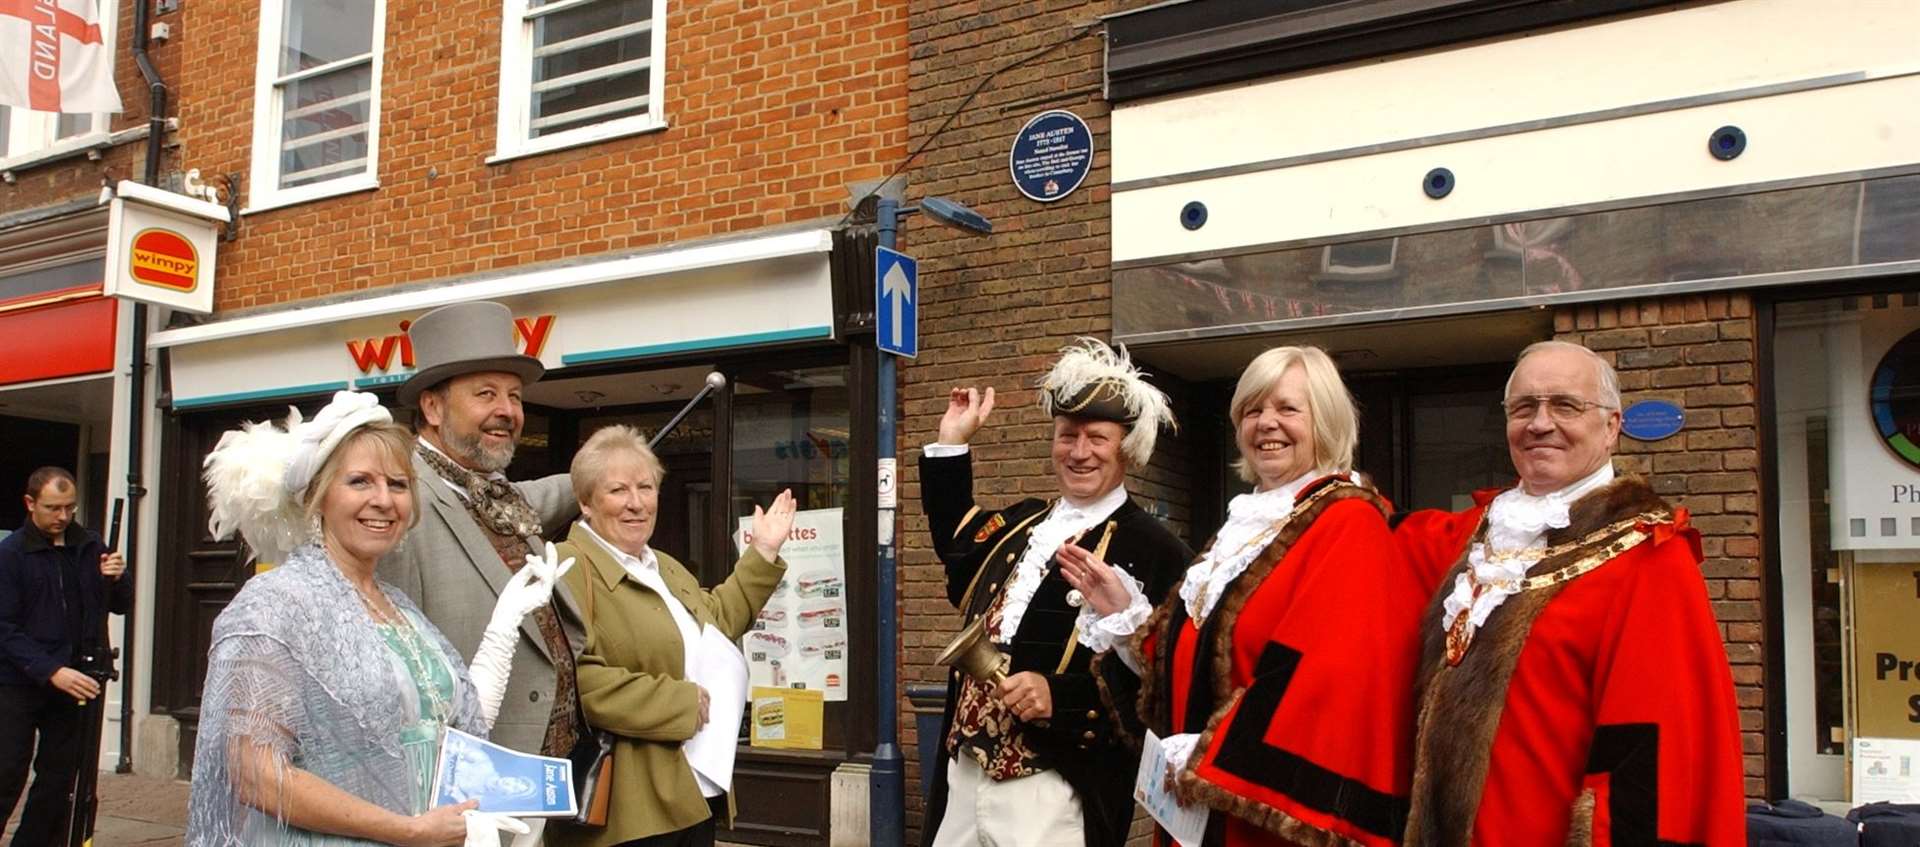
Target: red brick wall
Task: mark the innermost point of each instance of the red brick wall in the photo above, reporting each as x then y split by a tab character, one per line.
772	107
80	177
1697	352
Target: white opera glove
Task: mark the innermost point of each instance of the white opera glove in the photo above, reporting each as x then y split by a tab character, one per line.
484	828
529	589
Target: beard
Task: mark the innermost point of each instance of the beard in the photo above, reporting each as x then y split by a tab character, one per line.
469	449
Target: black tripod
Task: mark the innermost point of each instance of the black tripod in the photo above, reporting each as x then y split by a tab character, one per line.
86	781
84	802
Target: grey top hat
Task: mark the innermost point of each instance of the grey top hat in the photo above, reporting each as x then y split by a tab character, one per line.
464	338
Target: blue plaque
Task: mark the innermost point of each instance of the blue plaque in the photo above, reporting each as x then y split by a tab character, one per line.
1652	420
1051	156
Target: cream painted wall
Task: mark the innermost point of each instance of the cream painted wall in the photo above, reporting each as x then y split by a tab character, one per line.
1620	64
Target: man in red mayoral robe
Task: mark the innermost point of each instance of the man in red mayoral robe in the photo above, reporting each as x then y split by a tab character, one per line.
1573	686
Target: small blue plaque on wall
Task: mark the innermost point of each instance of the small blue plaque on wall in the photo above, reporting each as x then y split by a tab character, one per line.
1051	156
1652	420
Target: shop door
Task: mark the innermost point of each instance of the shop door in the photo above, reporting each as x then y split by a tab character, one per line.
1430	439
770	429
196	576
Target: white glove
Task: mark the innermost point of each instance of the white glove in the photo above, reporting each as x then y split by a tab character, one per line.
529	589
484	828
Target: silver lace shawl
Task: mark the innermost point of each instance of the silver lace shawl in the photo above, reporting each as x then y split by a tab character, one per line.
298	669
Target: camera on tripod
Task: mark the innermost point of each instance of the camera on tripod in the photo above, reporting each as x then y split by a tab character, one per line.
99	664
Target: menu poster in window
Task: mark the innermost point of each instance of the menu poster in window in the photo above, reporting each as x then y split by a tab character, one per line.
800	639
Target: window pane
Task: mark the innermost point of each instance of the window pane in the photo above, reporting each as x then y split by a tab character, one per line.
46	280
1458	447
322	31
74	125
790	431
1846	377
1814	227
324	134
6	129
590	64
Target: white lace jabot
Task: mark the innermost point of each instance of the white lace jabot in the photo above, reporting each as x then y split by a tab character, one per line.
1239	542
1065	521
1517	526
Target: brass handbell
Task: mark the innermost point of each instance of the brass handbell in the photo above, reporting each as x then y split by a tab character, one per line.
973	653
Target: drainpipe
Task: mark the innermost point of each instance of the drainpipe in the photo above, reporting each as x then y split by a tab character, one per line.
137	375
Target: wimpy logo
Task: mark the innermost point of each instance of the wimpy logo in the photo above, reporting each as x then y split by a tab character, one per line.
373	354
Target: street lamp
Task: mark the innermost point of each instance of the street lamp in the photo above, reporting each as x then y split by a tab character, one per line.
887	799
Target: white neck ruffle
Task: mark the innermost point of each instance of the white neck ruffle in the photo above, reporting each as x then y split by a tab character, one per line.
1515	541
1239	542
1043	541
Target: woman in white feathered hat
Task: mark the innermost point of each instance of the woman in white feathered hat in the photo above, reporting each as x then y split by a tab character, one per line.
327	690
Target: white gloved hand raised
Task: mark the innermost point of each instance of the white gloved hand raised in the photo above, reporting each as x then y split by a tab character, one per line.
484	828
529	589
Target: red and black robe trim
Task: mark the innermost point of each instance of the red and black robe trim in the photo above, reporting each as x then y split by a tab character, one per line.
1459	707
1245	753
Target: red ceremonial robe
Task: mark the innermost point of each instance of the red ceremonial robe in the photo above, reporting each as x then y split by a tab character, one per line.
1595	710
1300	681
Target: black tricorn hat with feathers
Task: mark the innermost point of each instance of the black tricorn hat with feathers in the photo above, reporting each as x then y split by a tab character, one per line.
1092	381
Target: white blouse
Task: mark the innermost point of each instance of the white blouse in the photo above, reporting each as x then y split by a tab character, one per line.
645	569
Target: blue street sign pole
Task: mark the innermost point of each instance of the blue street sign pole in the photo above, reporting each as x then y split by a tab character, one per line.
887	799
896	304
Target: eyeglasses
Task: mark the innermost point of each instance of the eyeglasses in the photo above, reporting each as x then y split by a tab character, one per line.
1560	407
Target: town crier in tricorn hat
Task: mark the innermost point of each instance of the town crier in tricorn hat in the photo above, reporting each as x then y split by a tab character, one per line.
1032	759
476	527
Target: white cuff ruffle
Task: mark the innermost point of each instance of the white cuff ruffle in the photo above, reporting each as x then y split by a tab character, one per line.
1101	633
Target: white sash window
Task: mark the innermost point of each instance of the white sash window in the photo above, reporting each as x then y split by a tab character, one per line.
575	72
316	100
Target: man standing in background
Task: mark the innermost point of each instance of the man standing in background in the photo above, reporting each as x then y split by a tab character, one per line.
58	582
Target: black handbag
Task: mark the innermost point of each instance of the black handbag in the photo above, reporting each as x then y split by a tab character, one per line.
592	756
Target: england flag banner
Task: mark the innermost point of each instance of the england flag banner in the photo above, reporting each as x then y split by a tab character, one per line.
54	59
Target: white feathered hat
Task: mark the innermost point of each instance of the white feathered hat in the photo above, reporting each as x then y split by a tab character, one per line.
1095	382
258	473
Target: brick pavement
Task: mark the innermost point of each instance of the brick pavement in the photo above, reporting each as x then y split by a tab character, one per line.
137	811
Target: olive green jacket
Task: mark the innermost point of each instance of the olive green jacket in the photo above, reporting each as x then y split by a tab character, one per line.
633	681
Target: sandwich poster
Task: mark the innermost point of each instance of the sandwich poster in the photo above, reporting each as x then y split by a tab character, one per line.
800	639
787	719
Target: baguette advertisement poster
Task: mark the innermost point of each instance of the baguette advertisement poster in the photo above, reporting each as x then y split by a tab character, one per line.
800	638
787	718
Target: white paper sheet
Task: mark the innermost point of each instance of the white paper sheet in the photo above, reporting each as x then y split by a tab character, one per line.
717	665
1886	769
1187	824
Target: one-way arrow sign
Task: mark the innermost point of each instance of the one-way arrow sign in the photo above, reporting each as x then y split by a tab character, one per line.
896	299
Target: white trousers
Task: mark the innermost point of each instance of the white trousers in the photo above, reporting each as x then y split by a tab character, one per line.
1031	811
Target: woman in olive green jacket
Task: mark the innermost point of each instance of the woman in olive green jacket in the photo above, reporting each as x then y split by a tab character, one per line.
646	607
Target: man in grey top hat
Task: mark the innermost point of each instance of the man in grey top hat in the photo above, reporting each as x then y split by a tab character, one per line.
476	528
